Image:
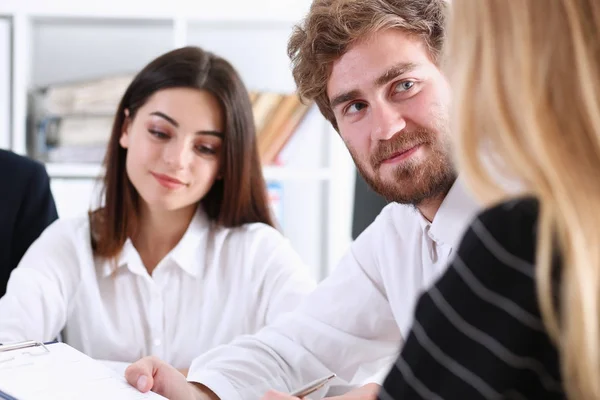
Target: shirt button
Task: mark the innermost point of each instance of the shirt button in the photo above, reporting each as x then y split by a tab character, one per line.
157	342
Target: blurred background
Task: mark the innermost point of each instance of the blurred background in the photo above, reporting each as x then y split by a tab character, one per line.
64	65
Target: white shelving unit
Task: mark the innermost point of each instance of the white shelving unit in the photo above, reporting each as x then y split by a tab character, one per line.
67	40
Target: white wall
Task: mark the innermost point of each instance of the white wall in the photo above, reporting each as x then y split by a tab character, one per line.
258	52
75	197
72	50
207	10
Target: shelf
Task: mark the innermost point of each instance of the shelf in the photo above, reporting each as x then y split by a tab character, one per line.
68	170
257	10
272	173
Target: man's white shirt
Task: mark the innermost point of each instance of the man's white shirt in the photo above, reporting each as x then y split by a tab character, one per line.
354	322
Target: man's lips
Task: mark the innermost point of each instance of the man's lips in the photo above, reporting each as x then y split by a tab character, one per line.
401	155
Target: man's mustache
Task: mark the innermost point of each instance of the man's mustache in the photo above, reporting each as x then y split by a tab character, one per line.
399	143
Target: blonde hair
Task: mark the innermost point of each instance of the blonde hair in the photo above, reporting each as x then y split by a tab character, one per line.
332	26
526	78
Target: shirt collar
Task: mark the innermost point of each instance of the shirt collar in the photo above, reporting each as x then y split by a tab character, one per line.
454	215
186	254
189	252
128	257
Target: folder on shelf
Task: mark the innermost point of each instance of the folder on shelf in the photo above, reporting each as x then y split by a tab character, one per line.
34	370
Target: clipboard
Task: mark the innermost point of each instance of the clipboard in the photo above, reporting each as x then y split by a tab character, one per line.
34	370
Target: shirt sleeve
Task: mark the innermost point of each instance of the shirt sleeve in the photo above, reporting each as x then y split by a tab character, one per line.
35	305
344	324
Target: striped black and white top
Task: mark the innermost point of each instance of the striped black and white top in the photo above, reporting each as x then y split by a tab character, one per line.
478	333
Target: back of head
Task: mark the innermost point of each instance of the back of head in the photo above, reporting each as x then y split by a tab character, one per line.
332	26
526	81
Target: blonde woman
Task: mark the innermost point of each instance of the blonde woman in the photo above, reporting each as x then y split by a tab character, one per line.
517	314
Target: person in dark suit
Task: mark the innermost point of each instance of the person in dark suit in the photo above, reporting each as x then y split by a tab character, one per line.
26	209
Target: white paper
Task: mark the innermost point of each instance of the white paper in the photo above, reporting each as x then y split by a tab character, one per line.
118	366
62	374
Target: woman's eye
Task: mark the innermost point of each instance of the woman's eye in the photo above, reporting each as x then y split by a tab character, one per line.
158	134
205	150
404	86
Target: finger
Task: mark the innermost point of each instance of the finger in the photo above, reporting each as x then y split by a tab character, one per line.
140	374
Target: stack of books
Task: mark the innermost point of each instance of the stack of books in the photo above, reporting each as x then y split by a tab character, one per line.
72	123
276	116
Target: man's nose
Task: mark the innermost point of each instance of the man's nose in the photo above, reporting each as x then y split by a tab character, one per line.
387	121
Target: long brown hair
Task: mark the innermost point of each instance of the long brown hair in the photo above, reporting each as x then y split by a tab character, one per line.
240	197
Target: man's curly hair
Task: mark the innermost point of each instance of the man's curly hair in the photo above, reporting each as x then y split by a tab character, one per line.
332	26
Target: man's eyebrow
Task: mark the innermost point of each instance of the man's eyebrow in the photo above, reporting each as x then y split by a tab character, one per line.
344	97
394	72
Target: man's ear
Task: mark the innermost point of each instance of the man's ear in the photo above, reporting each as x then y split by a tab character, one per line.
124	139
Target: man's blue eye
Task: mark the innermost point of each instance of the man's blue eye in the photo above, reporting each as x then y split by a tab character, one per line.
404	86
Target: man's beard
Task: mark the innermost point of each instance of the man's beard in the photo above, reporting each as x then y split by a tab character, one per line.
413	183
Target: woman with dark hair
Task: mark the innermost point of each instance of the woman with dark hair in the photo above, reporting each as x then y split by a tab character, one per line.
182	256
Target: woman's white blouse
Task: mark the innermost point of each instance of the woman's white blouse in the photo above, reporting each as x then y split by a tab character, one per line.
216	284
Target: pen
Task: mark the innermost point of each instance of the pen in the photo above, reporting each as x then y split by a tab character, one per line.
312	387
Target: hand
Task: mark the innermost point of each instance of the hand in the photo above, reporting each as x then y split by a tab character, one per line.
150	373
366	392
